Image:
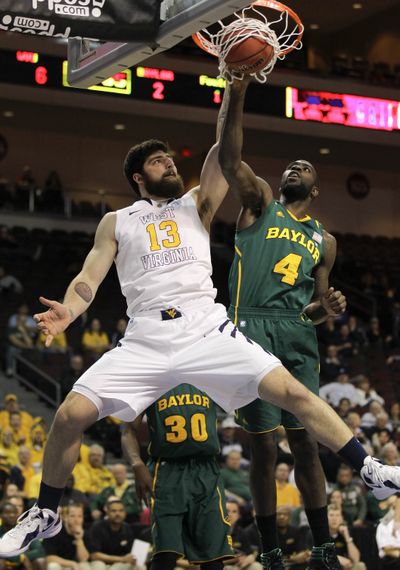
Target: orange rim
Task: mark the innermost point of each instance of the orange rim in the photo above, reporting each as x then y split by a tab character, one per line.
275	5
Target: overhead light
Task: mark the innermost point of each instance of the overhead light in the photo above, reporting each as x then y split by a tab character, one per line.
357	5
8	114
314	26
119	127
324	151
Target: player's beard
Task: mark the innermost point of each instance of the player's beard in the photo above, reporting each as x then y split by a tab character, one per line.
295	192
167	187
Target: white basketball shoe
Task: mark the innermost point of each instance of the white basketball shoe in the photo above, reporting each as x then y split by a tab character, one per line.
33	524
383	480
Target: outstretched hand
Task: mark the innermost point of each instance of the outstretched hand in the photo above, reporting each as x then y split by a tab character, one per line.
54	321
334	302
144	483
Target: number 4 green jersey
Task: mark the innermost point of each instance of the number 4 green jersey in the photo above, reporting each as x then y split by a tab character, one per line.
274	261
183	423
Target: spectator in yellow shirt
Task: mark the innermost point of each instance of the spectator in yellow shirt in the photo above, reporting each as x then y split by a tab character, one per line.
8	447
36	444
20	433
12	405
59	343
286	494
84	454
22	473
95	476
95	341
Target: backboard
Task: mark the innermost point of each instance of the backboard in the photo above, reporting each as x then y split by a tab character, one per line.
91	62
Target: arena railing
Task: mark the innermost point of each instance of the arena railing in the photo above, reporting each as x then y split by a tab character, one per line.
358	300
36	380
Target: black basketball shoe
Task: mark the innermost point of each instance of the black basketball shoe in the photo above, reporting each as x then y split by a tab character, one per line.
324	558
272	560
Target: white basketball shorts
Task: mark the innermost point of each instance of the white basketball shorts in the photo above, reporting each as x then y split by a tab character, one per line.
202	347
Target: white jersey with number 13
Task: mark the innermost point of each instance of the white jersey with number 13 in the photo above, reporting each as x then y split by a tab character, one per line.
163	257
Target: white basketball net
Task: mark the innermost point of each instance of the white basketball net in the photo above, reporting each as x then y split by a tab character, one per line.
244	27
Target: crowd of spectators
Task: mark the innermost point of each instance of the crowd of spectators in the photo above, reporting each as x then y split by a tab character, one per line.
360	368
100	509
23	337
102	515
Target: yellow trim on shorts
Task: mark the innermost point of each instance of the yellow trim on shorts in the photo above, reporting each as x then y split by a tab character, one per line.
239	284
224	557
221	508
155	474
294	429
260	432
154	485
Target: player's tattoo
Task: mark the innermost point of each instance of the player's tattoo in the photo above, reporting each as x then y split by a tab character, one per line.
71	314
84	291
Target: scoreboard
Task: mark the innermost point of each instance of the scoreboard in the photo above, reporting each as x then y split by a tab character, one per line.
167	86
342	109
140	83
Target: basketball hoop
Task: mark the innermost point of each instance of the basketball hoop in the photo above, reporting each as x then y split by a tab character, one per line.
284	34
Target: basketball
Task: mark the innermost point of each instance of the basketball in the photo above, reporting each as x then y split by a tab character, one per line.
249	56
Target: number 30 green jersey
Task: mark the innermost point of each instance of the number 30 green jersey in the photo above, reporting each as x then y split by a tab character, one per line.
183	423
274	261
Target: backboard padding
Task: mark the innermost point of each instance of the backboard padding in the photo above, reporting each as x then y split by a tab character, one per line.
90	64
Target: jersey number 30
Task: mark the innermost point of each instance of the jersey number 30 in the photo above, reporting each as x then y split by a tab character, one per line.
178	433
289	268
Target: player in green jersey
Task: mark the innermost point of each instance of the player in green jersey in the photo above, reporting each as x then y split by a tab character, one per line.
279	285
183	478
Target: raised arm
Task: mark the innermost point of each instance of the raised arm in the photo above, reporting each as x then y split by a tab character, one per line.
213	185
82	290
253	192
326	301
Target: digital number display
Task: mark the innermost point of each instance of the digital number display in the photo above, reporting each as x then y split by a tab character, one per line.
342	109
120	83
27	56
162	86
142	83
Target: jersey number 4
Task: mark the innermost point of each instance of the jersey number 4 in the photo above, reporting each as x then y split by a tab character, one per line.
178	433
289	268
174	239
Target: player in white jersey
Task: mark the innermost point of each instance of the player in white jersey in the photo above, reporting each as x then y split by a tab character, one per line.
176	334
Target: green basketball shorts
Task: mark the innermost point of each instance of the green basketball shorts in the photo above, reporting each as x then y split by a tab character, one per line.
188	510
